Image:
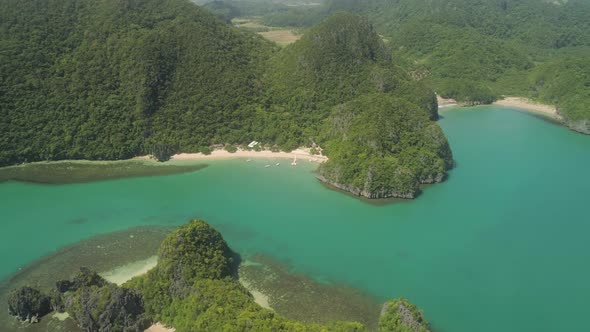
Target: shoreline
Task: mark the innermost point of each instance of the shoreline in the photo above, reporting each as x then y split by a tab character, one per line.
300	153
530	106
121	274
260	298
219	154
445	102
519	103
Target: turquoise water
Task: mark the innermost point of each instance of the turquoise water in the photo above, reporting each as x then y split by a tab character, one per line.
502	245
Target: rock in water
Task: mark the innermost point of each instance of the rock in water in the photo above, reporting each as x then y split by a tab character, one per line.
84	278
401	315
28	302
97	305
108	308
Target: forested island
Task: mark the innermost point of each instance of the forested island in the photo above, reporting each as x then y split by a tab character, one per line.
192	288
112	80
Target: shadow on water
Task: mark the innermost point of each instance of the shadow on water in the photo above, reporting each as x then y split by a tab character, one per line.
235	266
541	116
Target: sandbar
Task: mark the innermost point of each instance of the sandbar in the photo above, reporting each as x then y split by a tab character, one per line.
260	298
122	274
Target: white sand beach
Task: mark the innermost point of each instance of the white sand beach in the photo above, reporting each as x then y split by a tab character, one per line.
158	327
122	274
446	102
260	298
530	105
302	154
522	103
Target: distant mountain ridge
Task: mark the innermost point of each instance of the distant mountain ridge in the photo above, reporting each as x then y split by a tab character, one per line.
478	51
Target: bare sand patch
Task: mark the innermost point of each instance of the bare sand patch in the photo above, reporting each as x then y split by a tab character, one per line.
122	274
158	327
260	298
282	37
61	316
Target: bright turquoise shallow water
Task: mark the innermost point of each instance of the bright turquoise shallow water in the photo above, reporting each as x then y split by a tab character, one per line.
502	245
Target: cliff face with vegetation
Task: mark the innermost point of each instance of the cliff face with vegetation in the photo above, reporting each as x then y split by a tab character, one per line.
112	80
193	288
565	82
376	154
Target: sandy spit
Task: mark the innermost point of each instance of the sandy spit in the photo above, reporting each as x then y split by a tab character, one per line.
122	274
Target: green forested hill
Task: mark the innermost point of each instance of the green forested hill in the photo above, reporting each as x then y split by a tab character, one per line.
478	50
112	79
339	83
109	80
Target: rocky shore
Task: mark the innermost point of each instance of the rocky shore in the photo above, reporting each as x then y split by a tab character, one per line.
382	193
365	192
581	126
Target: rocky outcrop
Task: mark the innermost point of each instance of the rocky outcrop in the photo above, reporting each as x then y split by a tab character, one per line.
28	304
382	192
364	192
84	278
581	126
432	178
401	315
109	308
97	305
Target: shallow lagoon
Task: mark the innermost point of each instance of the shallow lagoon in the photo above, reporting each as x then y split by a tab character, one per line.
501	245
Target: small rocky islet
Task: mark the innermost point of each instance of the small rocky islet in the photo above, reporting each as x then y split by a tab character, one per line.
193	287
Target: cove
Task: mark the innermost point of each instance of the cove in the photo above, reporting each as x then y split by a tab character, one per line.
501	245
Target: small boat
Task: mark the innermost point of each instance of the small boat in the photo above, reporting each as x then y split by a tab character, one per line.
266	166
294	163
278	164
248	160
